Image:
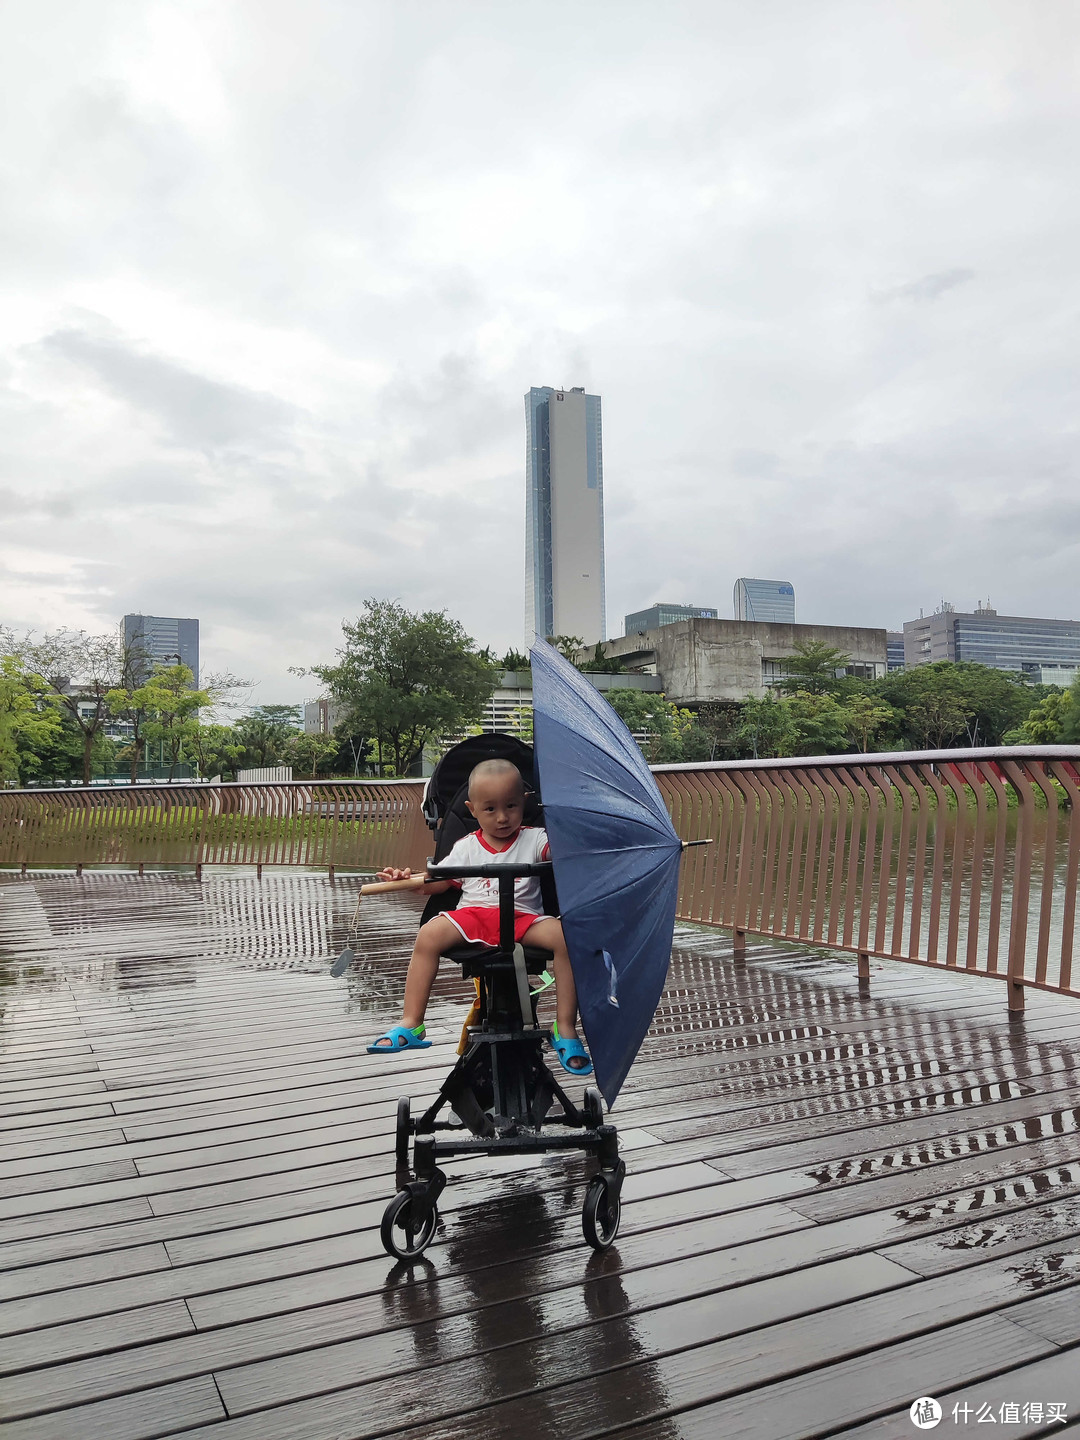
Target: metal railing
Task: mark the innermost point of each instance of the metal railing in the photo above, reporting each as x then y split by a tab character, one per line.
964	859
353	824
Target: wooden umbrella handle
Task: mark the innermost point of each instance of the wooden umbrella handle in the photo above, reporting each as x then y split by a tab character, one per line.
380	887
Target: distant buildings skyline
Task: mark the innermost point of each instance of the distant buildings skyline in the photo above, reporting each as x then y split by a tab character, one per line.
1032	646
161	640
564	515
664	614
769	602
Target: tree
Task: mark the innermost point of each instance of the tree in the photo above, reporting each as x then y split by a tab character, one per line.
1045	723
311	753
817	725
407	679
765	727
515	660
213	750
28	726
991	701
867	718
75	671
1070	719
599	663
567	645
264	734
719	722
812	669
173	709
664	727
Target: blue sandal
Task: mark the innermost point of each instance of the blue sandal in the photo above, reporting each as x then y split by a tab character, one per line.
568	1050
401	1037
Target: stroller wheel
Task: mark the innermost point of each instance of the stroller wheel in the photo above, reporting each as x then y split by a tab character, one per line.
404	1131
592	1107
600	1215
399	1235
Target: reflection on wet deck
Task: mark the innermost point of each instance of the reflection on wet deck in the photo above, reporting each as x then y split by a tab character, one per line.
837	1202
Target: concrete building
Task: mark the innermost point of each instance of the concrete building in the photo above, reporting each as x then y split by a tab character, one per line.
661	614
699	660
1005	642
161	640
564	515
322	715
770	601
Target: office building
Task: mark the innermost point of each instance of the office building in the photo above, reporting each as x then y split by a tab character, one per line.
661	614
1005	642
770	602
564	515
161	640
895	647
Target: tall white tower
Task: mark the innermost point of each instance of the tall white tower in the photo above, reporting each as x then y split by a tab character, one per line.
564	515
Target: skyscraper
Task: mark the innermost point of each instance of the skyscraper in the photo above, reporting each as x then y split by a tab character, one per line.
564	515
161	640
770	600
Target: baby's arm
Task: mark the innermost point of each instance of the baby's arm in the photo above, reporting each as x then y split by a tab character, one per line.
436	887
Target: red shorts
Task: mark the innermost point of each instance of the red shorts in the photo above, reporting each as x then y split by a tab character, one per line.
480	923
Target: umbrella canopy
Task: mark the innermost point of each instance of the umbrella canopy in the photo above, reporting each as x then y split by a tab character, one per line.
616	860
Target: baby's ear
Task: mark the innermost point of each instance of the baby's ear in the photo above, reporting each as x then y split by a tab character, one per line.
469	807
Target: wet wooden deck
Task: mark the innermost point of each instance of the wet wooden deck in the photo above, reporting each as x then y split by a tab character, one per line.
836	1203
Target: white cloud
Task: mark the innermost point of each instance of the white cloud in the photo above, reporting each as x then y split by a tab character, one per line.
274	283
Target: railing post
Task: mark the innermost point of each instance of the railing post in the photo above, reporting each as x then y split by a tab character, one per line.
738	944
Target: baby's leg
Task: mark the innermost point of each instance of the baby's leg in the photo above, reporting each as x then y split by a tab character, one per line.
548	934
433	938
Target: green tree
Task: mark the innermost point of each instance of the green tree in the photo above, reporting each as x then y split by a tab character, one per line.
867	719
515	660
663	726
812	669
29	726
311	753
957	702
817	725
567	645
172	707
75	671
764	730
213	750
1045	721
407	679
719	722
600	663
1070	719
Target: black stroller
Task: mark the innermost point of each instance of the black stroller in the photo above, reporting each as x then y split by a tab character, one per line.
500	1096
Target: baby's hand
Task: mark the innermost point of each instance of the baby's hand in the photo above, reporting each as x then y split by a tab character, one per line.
391	873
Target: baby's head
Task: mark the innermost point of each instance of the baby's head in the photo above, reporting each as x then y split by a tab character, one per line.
497	798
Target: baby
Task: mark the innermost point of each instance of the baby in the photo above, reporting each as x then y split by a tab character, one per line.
497	802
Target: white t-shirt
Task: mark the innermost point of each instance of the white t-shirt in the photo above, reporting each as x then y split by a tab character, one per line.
529	846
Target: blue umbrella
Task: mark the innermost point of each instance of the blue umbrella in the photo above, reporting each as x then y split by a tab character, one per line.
616	859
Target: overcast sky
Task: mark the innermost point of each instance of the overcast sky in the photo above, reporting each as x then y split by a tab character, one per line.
274	278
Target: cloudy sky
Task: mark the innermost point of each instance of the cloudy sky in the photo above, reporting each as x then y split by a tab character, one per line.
275	276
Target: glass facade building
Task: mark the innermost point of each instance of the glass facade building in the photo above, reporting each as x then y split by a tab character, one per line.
772	601
661	614
564	515
161	640
1005	642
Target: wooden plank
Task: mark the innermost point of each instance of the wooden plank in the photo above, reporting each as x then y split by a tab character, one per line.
139	1416
50	1345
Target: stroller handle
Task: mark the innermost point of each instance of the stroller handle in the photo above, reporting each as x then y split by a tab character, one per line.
486	872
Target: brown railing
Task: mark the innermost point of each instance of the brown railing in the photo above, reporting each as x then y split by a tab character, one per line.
964	859
362	824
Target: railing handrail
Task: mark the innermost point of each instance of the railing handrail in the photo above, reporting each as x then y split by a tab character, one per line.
885	757
172	785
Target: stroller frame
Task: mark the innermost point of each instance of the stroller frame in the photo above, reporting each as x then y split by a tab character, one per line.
501	1092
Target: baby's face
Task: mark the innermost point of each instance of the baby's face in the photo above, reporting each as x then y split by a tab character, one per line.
498	803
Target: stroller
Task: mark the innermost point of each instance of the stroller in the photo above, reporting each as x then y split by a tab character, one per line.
500	1096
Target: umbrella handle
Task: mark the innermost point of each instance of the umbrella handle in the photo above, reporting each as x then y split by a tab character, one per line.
687	843
380	887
